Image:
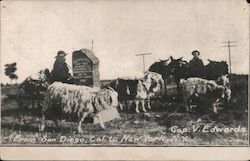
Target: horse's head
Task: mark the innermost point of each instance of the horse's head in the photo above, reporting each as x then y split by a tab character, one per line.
177	64
161	67
224	65
215	69
223	80
165	62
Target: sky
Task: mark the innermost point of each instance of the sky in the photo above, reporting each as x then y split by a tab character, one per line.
32	32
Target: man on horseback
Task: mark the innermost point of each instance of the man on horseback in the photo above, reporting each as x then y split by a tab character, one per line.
196	65
60	72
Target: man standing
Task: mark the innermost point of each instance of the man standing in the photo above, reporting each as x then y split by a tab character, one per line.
196	66
60	72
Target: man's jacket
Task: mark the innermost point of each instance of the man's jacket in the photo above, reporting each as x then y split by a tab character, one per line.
60	71
196	67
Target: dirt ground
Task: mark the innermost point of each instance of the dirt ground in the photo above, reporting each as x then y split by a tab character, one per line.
164	125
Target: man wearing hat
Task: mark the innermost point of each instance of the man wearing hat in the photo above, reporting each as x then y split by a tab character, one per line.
196	65
60	72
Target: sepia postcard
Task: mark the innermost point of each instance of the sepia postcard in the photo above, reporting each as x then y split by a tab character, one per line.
125	74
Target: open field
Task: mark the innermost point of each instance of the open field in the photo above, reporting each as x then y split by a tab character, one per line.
164	125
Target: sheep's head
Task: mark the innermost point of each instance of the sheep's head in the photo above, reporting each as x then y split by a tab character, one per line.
113	97
223	80
219	91
105	99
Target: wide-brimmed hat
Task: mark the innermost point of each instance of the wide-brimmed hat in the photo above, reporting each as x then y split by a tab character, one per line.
195	51
61	54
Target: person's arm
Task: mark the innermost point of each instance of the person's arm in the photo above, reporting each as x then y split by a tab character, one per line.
201	63
191	64
67	71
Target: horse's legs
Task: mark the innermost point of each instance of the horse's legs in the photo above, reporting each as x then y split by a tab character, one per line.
215	109
137	106
143	105
126	105
148	102
120	105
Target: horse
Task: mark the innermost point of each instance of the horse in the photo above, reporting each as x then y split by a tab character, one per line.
33	88
180	70
162	68
214	69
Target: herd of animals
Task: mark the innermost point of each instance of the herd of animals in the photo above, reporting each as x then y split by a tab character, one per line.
57	98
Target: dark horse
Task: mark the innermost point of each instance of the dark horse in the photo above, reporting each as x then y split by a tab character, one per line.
179	69
215	69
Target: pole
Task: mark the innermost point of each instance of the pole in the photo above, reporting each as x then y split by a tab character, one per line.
92	46
143	59
229	53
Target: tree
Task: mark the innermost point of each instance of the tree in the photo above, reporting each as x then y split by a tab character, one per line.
10	70
13	76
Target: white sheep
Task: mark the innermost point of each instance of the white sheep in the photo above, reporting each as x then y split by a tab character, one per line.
82	100
213	91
